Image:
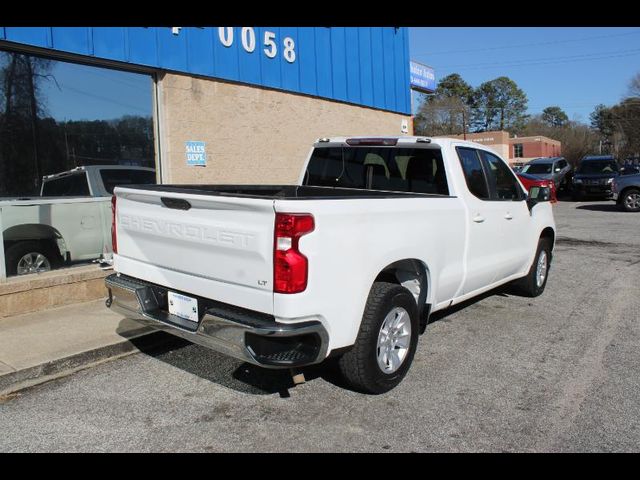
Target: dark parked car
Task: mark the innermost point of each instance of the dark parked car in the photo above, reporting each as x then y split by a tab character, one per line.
550	168
626	192
594	176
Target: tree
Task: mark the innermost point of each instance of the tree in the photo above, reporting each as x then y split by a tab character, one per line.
447	111
453	86
21	76
554	116
634	87
626	120
442	116
499	105
602	121
577	138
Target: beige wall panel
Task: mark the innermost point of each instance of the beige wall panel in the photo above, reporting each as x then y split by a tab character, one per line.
252	134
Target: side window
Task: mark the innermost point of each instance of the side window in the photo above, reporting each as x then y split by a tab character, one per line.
474	175
501	179
562	164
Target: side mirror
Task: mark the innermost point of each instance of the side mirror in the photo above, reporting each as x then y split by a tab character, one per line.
537	195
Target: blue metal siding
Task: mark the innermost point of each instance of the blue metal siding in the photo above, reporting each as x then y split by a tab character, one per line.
366	72
365	66
324	73
306	49
269	67
353	65
72	39
39	36
172	50
142	46
200	51
109	42
389	77
338	63
377	64
290	70
226	63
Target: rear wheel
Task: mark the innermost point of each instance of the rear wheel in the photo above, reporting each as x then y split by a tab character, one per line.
31	256
630	201
386	342
536	280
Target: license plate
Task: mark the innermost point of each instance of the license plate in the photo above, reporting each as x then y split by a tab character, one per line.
183	306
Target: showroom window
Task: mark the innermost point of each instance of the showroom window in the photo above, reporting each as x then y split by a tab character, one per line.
62	125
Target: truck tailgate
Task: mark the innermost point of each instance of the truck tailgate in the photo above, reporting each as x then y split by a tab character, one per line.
212	246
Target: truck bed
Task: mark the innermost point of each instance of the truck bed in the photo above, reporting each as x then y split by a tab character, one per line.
279	192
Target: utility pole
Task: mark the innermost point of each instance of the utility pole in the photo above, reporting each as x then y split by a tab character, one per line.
464	124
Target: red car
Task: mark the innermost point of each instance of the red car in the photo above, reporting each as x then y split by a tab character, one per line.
530	181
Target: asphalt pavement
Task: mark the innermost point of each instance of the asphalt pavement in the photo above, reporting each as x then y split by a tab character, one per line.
502	373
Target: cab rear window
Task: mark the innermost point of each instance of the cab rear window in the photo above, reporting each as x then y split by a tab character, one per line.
419	170
112	178
74	185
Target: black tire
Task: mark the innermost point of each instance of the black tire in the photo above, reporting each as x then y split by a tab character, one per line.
359	366
528	286
625	198
577	196
15	252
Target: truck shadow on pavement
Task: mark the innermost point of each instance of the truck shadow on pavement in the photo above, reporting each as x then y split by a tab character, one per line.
212	366
601	207
245	377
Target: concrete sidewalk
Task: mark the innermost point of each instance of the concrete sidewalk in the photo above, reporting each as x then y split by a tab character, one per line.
37	347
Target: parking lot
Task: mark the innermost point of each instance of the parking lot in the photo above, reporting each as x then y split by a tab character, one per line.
503	373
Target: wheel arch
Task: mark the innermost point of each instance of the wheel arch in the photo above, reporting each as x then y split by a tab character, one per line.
35	231
414	275
550	234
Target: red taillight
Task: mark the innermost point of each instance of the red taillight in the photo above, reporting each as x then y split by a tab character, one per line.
290	267
114	238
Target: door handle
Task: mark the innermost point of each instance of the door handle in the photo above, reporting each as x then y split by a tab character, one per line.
508	216
478	218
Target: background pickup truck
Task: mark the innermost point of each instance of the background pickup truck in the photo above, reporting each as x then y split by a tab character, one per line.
349	263
70	221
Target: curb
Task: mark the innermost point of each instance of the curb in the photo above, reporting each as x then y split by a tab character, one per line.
28	377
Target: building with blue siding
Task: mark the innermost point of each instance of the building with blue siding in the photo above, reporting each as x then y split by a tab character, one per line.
254	98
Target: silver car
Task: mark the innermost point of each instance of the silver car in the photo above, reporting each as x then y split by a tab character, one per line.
550	168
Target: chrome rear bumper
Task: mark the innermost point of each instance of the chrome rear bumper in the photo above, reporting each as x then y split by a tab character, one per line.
244	334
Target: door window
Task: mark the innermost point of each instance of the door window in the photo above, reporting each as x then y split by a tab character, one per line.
502	183
473	172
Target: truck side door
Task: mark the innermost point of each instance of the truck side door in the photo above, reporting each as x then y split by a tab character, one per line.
514	217
485	250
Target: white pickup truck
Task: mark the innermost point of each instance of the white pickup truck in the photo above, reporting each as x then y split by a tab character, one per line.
378	234
69	221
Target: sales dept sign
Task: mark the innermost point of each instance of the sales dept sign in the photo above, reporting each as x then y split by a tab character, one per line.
196	153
